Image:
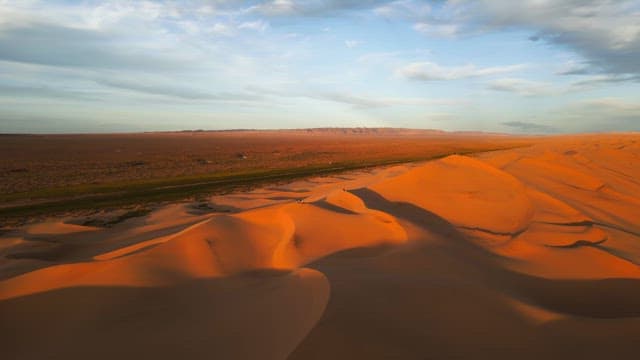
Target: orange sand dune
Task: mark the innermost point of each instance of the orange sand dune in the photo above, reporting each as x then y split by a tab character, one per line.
527	253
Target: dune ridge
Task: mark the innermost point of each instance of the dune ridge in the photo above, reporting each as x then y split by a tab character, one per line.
530	252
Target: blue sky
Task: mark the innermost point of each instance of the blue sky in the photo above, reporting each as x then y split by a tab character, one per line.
531	66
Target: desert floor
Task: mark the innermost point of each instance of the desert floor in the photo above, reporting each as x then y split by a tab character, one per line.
34	162
45	174
525	253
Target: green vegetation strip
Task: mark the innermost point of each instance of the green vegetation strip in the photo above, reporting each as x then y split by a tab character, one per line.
82	197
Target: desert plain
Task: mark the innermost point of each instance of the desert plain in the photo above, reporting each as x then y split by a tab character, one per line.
455	246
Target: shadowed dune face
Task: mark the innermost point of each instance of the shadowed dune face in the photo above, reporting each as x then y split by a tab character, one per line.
523	253
259	315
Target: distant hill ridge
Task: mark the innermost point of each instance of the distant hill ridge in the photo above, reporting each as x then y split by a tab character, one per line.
350	131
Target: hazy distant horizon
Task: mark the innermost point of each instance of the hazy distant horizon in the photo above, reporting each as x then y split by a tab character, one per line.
528	67
529	133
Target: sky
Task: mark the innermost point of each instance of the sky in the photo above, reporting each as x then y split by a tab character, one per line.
529	66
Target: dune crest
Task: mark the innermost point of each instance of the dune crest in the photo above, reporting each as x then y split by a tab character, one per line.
467	192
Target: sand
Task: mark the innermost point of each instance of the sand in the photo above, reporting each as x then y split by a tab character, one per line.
526	253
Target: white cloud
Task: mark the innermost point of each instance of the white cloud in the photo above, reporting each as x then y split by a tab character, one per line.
363	101
221	29
404	9
428	71
522	87
367	101
593	81
172	90
573	67
258	25
277	7
612	103
599	114
440	30
605	32
352	43
312	7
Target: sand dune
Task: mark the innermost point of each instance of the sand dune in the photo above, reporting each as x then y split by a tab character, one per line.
525	253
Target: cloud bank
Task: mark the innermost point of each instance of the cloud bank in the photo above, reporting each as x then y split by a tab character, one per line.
158	64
